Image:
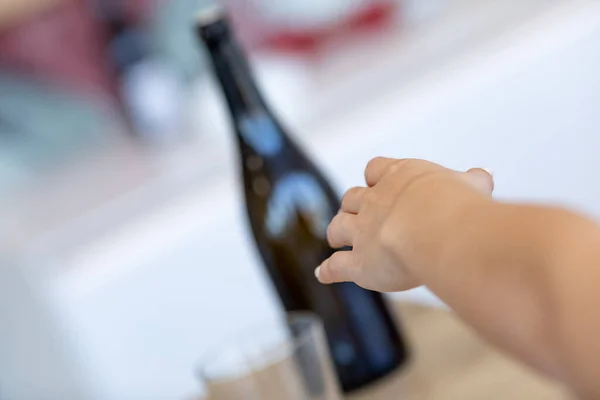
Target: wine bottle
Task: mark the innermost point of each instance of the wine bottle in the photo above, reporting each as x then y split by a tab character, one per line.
289	205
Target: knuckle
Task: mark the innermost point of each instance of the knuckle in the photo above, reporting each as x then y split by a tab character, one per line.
341	221
336	229
355	191
406	171
345	198
340	265
349	195
347	225
374	161
407	165
372	165
402	165
372	201
335	262
370	197
393	168
328	271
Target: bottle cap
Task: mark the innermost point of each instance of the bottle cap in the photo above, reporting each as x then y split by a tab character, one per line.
212	25
209	15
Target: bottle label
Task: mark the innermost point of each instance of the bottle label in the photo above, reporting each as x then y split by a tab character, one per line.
260	132
298	194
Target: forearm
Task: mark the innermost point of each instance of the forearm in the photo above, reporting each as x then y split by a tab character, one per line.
512	272
14	11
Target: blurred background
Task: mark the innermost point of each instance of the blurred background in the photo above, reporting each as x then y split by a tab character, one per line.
123	246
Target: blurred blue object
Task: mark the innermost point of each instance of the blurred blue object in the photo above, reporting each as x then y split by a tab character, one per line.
42	127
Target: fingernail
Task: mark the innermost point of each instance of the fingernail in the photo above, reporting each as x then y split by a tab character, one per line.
489	171
317	272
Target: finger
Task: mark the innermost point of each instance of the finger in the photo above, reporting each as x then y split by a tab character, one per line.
340	267
353	199
341	230
376	169
482	179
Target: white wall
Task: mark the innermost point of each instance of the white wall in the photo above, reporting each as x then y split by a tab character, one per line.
36	362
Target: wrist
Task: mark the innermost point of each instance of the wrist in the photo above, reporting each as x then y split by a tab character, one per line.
456	231
462	228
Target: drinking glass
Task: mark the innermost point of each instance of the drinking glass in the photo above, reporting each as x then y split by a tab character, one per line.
286	359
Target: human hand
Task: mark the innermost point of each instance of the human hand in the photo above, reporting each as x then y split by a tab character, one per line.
398	224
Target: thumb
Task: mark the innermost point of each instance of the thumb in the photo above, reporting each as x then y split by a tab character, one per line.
340	267
480	178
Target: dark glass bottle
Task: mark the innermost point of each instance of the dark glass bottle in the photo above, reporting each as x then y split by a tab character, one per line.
289	205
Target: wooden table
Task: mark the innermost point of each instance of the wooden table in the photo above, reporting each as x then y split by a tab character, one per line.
450	362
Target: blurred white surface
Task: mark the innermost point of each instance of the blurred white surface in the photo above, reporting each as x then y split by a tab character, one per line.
139	304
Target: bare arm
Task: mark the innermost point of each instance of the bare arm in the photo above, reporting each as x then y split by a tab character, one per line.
14	11
527	278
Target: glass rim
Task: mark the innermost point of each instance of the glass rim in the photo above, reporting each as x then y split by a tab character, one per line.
237	340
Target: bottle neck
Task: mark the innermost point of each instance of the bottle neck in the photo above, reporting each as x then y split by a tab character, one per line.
233	72
257	130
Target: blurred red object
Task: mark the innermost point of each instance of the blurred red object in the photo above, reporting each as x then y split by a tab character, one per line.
287	31
67	45
64	46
